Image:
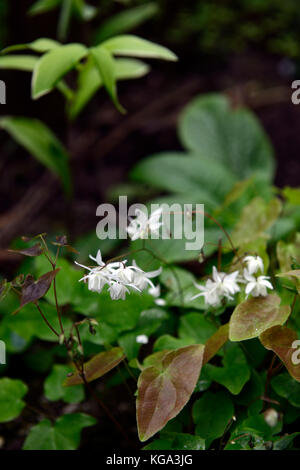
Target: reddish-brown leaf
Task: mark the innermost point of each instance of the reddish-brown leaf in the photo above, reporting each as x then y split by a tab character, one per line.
253	316
215	342
165	387
280	339
35	250
97	366
34	290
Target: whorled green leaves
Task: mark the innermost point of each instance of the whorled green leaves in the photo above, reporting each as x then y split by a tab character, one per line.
97	366
253	316
165	387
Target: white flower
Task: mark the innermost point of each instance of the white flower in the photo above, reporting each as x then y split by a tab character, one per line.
257	286
142	226
160	302
117	276
222	285
254	264
141	279
117	291
154	291
142	339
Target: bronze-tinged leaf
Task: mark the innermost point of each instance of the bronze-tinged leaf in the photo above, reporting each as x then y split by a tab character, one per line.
97	366
165	387
253	316
34	290
215	342
35	250
280	339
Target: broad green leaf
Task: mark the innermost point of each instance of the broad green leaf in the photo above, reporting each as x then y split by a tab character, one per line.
180	284
106	67
89	80
215	342
170	342
280	340
54	389
53	65
12	392
253	316
64	434
40	45
125	21
18	62
97	366
39	140
235	372
287	387
212	414
233	137
257	217
196	327
165	388
129	45
177	441
43	6
184	173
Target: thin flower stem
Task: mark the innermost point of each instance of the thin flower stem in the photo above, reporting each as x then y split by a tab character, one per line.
45	320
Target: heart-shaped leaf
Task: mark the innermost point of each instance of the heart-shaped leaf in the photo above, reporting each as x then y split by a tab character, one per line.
97	366
215	342
253	316
165	388
34	290
281	340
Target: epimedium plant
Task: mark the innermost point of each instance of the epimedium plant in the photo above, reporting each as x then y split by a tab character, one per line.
211	340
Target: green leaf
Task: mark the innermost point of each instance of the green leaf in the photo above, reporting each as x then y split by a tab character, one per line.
40	45
285	441
235	372
18	62
53	65
177	441
253	316
125	21
54	389
89	80
257	217
280	340
64	434
97	366
212	413
186	173
43	6
287	387
165	388
180	284
170	342
231	137
39	140
286	252
196	327
129	45
106	66
11	393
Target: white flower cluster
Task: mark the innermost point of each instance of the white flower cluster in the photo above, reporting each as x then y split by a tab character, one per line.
142	226
224	285
118	278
